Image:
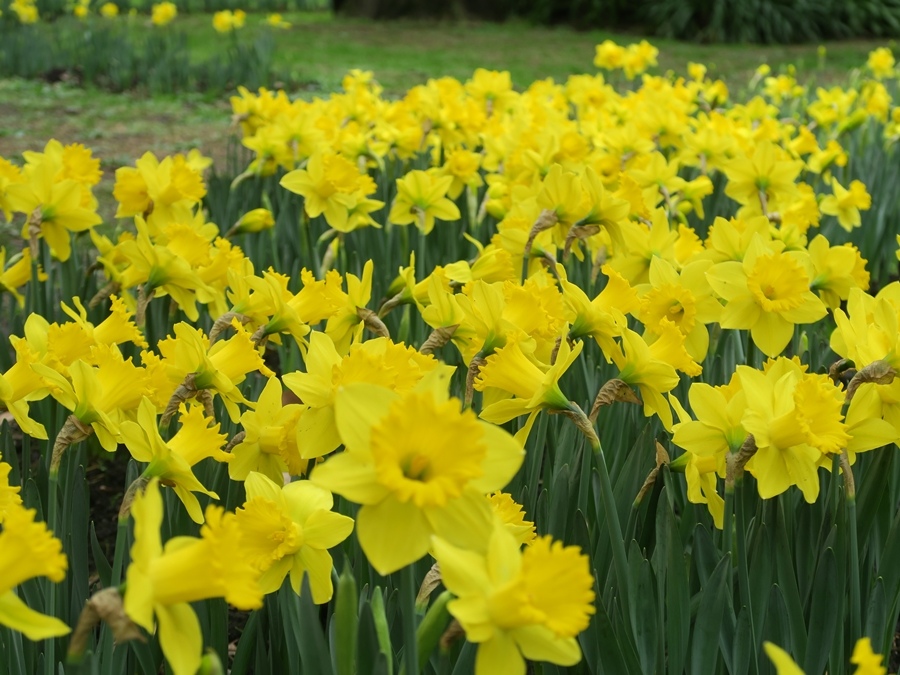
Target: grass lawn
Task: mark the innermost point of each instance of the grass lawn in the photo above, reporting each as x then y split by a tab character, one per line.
318	49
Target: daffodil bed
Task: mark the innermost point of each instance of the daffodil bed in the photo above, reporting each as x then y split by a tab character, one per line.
628	406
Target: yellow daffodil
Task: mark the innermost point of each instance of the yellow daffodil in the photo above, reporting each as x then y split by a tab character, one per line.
288	530
768	294
835	270
685	299
763	180
28	550
866	661
219	368
418	466
161	191
604	317
652	368
9	494
515	384
518	605
98	396
512	516
421	197
163	581
379	361
846	203
171	461
163	12
53	208
794	418
270	444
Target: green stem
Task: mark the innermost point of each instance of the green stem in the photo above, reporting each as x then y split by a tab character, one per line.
728	520
620	558
420	257
408	610
53	525
855	602
743	568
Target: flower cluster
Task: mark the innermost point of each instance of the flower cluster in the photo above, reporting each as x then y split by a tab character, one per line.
584	209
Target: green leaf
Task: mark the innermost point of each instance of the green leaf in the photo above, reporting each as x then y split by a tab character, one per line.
741	654
104	569
823	620
876	617
241	663
642	598
705	642
301	620
612	659
346	623
678	597
776	628
787	580
429	632
382	630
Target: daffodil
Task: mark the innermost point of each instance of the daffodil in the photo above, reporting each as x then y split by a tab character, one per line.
418	466
160	191
762	180
270	444
768	294
9	494
868	331
846	203
512	516
219	368
421	198
835	270
794	418
161	582
652	368
867	662
99	395
604	317
685	299
717	431
27	550
515	384
288	530
171	461
161	271
163	12
329	185
518	605
53	207
379	361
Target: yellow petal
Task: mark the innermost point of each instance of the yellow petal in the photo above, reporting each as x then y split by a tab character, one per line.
17	615
392	534
539	643
504	457
499	655
180	637
358	407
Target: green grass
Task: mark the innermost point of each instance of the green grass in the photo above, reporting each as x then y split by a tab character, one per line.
319	49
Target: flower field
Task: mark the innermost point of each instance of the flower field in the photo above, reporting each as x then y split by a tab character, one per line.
594	376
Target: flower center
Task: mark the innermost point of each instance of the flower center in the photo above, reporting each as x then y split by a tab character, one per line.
777	283
426	451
